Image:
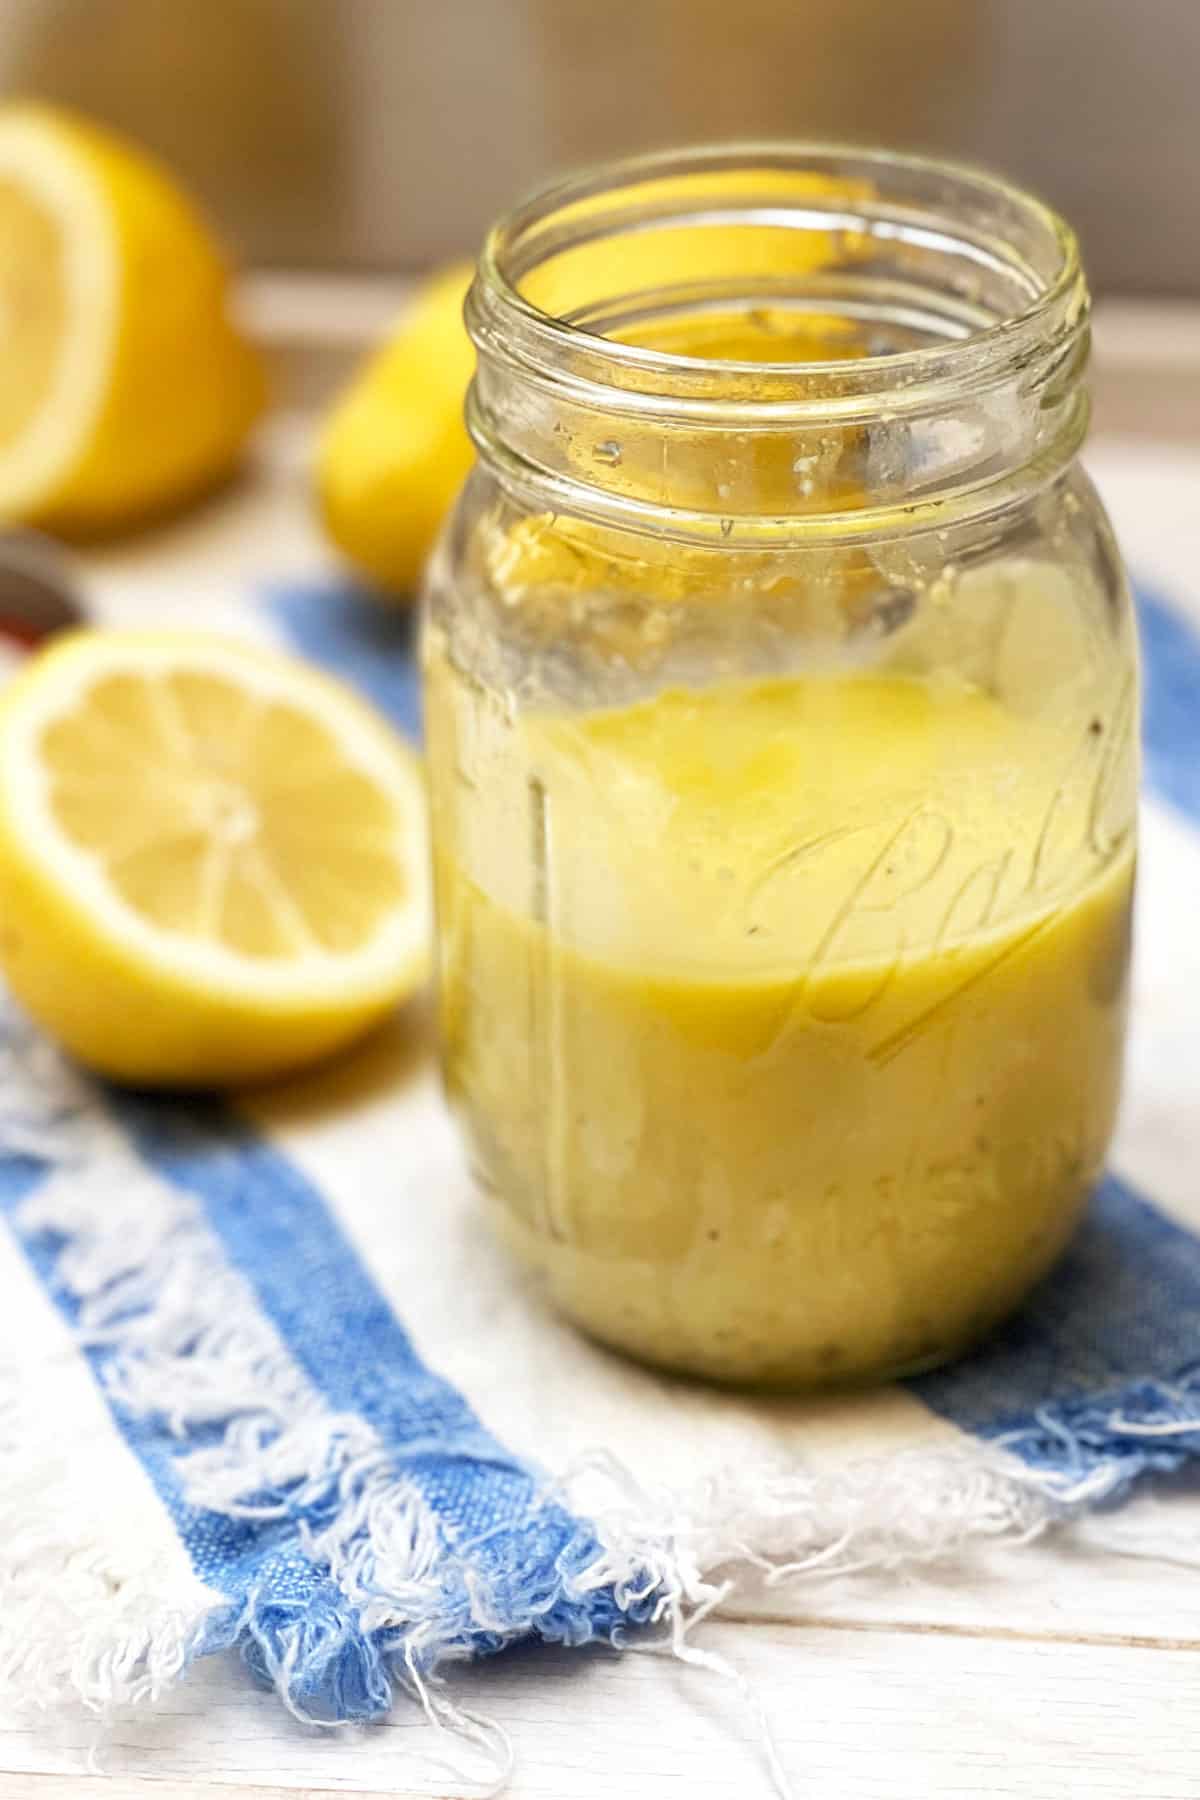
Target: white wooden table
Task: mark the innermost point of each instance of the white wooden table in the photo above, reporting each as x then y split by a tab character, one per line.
1068	1670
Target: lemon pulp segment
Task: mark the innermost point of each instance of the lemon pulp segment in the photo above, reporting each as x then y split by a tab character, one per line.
223	841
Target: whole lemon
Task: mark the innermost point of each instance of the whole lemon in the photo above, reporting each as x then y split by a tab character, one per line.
395	450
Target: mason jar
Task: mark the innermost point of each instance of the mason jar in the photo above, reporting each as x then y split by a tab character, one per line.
781	700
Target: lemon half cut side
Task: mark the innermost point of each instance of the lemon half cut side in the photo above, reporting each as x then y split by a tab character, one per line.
125	384
213	860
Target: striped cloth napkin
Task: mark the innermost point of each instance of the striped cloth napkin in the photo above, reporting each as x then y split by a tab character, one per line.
266	1384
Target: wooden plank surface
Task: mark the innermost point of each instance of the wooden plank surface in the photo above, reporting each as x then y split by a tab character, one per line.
106	1787
857	1715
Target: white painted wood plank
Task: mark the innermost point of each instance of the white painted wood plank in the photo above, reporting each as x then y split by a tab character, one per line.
106	1787
857	1715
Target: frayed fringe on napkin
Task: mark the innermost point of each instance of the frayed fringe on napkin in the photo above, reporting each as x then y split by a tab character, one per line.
184	1343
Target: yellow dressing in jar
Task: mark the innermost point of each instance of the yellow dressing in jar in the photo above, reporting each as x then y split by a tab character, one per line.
794	1050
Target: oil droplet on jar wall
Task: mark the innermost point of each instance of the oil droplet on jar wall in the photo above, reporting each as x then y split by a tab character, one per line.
941	590
803	469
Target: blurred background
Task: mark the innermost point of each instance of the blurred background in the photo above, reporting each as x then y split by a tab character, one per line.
382	135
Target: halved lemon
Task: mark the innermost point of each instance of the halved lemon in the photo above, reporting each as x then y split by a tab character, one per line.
125	384
213	862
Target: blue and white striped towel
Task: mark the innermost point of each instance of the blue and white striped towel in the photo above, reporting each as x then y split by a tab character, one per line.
267	1385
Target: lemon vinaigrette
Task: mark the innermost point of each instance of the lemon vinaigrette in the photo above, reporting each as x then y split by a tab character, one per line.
781	707
765	1088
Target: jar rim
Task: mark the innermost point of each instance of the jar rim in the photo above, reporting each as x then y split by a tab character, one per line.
973	286
1056	303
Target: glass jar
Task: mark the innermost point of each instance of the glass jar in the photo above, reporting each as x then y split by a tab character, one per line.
781	703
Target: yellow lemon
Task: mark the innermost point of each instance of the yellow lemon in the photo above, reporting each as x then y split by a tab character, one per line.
212	858
124	384
395	450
